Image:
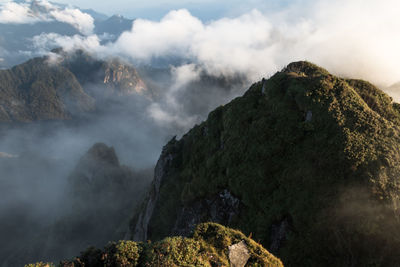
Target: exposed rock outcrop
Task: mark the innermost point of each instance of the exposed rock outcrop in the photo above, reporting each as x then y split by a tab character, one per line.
238	254
123	79
104	78
279	233
140	230
221	208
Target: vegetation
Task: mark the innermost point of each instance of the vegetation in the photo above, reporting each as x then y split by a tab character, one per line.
207	247
40	89
40	264
36	90
332	176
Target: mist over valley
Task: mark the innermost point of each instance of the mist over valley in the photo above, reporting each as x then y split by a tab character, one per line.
194	119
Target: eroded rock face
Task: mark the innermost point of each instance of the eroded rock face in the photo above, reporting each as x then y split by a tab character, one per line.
221	208
279	232
122	78
161	170
238	254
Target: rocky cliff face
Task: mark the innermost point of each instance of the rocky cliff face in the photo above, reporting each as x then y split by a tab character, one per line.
123	78
140	229
103	78
306	162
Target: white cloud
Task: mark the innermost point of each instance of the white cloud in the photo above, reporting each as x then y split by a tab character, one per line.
349	37
171	110
171	36
32	12
81	21
11	12
164	116
46	41
353	38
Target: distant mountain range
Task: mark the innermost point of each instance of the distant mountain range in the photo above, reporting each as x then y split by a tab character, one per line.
16	39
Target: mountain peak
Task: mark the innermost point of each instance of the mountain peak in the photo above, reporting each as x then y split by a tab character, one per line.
100	152
305	68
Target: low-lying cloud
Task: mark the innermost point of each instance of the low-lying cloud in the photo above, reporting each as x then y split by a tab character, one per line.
30	12
12	12
83	22
45	41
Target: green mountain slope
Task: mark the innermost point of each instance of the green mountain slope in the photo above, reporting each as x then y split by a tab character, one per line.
75	83
305	161
210	245
36	91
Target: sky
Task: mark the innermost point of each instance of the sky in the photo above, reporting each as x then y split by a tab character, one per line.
155	9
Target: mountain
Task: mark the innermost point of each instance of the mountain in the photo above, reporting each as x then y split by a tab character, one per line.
37	91
114	25
100	194
103	78
41	89
210	245
99	197
306	162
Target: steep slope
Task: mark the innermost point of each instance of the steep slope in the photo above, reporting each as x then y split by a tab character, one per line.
210	245
37	91
305	161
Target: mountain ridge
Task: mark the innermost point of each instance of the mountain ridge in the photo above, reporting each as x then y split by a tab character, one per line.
311	158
